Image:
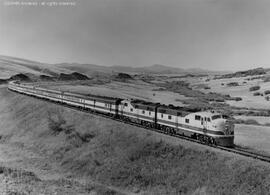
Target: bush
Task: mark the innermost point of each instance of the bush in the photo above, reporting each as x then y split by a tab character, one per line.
235	98
251	122
232	84
266	92
56	122
256	94
266	79
254	88
247	122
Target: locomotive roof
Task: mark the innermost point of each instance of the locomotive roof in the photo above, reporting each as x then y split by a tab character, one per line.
162	108
175	110
207	113
141	104
94	97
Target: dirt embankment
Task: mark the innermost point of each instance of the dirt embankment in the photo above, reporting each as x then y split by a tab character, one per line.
48	148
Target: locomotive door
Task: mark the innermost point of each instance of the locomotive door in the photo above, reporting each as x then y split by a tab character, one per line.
204	123
116	108
176	121
121	107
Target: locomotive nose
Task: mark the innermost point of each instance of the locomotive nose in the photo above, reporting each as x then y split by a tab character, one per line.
228	127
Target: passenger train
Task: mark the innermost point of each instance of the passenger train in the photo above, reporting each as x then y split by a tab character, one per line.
206	126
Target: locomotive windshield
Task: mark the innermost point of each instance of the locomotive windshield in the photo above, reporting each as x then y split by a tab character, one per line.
216	117
225	116
219	116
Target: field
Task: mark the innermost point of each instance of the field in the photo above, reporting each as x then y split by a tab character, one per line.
46	148
132	89
254	137
248	99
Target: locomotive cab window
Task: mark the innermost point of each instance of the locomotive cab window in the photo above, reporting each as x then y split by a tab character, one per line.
225	116
131	109
216	117
197	117
161	115
149	113
143	111
187	120
169	117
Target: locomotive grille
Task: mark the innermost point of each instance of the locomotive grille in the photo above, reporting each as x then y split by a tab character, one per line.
229	128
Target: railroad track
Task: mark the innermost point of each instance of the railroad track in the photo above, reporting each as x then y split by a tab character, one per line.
237	150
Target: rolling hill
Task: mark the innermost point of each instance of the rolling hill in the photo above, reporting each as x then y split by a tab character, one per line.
11	65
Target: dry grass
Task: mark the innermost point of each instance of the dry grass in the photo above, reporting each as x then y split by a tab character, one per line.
123	156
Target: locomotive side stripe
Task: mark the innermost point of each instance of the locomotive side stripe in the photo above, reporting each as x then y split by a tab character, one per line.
173	124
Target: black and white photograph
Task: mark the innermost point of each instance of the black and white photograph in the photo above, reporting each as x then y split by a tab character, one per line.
134	97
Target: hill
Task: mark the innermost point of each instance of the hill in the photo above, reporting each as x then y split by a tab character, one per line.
251	72
156	69
12	65
47	147
163	69
72	76
88	69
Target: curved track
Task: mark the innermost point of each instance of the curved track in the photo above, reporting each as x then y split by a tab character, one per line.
237	150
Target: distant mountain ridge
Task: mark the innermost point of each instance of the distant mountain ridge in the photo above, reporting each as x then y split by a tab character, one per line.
250	72
164	69
13	65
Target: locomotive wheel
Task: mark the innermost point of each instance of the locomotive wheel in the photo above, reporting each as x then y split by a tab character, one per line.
213	142
200	138
168	130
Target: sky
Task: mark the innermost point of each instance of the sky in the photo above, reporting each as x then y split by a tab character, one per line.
209	34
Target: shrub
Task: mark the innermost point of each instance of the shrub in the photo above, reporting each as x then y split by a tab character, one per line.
251	122
266	92
237	99
247	122
256	94
56	122
254	88
266	79
233	84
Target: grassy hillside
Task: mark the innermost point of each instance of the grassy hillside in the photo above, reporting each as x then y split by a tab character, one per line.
79	146
10	66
